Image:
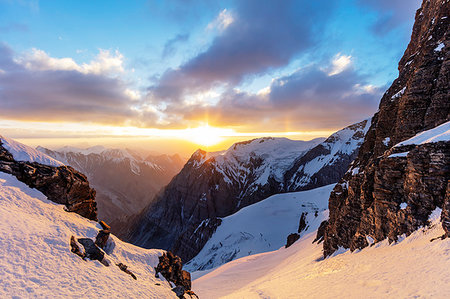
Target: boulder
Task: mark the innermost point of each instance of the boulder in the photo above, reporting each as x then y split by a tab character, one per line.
170	267
91	250
291	239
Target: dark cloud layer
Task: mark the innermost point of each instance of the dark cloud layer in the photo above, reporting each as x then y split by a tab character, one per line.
263	35
60	95
307	99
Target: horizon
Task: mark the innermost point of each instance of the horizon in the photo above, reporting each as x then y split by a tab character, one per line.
172	77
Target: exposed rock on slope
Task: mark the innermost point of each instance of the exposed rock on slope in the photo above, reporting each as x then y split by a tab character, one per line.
125	182
391	190
61	184
214	185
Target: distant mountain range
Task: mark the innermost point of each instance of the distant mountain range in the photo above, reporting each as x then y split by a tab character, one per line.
125	181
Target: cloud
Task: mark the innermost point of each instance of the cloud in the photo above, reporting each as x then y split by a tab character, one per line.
339	64
105	62
222	21
42	88
263	35
308	99
169	47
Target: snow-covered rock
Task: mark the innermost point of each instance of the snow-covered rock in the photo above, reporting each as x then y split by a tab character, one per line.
22	152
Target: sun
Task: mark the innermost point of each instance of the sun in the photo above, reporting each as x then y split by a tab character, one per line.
206	135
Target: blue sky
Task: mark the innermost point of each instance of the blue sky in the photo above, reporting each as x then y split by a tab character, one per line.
252	66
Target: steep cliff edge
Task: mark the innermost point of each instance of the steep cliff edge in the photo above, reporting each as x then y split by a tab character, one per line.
393	187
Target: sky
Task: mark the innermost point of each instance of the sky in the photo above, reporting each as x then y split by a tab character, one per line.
171	76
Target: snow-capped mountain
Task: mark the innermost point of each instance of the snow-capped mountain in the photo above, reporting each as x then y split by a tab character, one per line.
215	185
328	161
125	181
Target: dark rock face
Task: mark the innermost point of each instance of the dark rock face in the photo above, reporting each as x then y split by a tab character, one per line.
170	266
63	184
186	213
291	239
384	195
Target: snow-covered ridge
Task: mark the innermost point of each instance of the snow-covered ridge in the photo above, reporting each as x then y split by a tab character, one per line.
36	261
22	152
439	133
134	158
262	227
276	154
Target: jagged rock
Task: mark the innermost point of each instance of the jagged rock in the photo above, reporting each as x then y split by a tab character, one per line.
321	232
170	266
386	194
91	250
291	239
302	222
102	238
124	268
75	248
63	184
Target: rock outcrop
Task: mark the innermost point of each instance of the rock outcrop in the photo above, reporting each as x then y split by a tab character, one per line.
63	184
214	185
391	188
291	239
171	268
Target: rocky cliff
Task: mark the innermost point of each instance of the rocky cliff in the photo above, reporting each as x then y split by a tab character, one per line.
215	185
61	184
393	186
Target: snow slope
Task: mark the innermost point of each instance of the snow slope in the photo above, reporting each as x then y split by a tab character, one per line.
411	268
439	133
36	261
262	227
22	152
